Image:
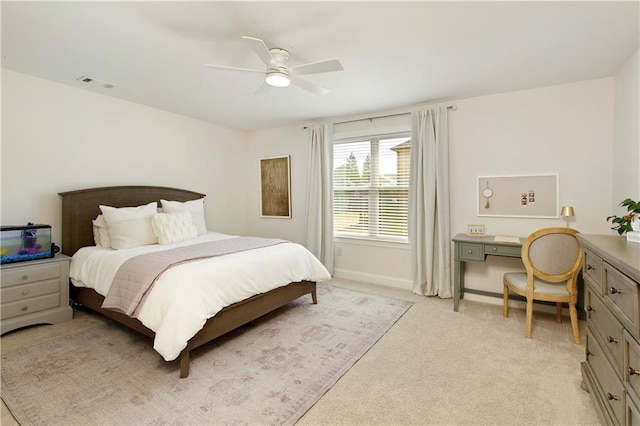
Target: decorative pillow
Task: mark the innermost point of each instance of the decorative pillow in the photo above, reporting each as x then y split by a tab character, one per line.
130	226
195	207
174	227
101	233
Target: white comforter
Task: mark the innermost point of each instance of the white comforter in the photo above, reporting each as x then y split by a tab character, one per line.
185	296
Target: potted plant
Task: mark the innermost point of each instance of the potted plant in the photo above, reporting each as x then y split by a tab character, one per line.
630	221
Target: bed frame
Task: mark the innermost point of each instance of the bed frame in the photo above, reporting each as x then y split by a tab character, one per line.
80	207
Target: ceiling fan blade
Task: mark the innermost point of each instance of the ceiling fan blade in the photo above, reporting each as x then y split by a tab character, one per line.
223	67
309	86
265	88
328	65
260	48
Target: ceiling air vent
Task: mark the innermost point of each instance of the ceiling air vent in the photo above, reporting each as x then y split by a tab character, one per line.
95	82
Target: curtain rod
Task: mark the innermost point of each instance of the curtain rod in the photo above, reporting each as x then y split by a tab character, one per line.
453	107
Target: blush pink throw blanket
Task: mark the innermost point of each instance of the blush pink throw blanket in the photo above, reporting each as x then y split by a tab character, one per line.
136	276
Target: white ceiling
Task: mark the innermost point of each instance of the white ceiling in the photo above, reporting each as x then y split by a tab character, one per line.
395	54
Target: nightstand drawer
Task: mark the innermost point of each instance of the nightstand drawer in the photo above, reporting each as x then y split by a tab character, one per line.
502	250
29	274
23	307
472	252
622	292
26	291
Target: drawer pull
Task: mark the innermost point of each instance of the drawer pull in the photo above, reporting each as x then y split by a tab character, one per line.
612	339
495	249
614	290
591	268
24	308
633	371
470	251
25	292
24	277
590	309
611	397
587	353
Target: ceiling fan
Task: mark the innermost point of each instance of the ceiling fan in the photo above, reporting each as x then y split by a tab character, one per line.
279	74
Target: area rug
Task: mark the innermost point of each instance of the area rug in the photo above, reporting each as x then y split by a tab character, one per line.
271	372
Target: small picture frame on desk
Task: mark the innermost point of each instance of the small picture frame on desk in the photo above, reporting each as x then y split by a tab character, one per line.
475	230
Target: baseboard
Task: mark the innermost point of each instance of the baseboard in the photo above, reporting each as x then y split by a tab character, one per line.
373	279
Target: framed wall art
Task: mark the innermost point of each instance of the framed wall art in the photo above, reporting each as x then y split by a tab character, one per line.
275	187
534	196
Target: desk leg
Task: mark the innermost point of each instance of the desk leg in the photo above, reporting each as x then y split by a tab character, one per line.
458	283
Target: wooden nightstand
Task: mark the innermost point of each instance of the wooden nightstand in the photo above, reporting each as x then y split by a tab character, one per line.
34	292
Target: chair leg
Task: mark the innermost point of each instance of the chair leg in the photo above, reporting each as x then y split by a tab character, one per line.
505	300
558	312
529	317
574	322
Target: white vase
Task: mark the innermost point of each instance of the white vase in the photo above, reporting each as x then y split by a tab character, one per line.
635	225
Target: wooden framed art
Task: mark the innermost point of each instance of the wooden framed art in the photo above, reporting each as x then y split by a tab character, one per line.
275	187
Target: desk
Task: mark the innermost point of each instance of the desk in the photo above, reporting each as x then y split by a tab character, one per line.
476	249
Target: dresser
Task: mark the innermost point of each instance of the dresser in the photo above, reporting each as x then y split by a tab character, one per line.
611	370
34	292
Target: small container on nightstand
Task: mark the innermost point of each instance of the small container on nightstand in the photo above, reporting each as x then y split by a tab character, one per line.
34	292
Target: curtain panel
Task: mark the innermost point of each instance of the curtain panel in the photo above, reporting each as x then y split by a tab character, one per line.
429	235
320	195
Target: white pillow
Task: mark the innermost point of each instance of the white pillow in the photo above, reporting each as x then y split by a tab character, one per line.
195	207
173	227
100	232
130	226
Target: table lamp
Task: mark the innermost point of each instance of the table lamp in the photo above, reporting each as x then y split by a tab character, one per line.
567	212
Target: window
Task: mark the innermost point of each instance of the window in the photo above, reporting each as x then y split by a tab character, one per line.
371	187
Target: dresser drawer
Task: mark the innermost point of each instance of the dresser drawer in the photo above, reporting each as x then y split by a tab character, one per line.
26	291
472	252
29	274
592	271
613	390
622	292
608	329
633	415
35	304
632	364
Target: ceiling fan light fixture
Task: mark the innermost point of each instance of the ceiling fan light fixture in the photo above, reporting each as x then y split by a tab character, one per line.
278	79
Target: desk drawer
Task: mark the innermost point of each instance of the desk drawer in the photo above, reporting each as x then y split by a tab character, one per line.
622	292
470	252
502	250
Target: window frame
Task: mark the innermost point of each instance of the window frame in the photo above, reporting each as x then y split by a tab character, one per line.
373	200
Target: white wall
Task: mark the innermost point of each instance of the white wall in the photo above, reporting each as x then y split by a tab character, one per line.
57	138
565	129
626	141
294	142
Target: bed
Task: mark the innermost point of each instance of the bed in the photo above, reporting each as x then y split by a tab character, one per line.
81	207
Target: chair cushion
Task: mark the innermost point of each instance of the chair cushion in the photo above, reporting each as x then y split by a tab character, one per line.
519	281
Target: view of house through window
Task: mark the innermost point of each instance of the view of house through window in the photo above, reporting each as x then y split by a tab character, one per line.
371	187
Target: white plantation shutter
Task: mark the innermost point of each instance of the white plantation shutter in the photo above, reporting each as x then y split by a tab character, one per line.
371	187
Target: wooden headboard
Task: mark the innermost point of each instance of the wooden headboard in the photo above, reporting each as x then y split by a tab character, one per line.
80	207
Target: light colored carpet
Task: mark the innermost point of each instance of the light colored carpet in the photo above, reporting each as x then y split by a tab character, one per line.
268	373
436	367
